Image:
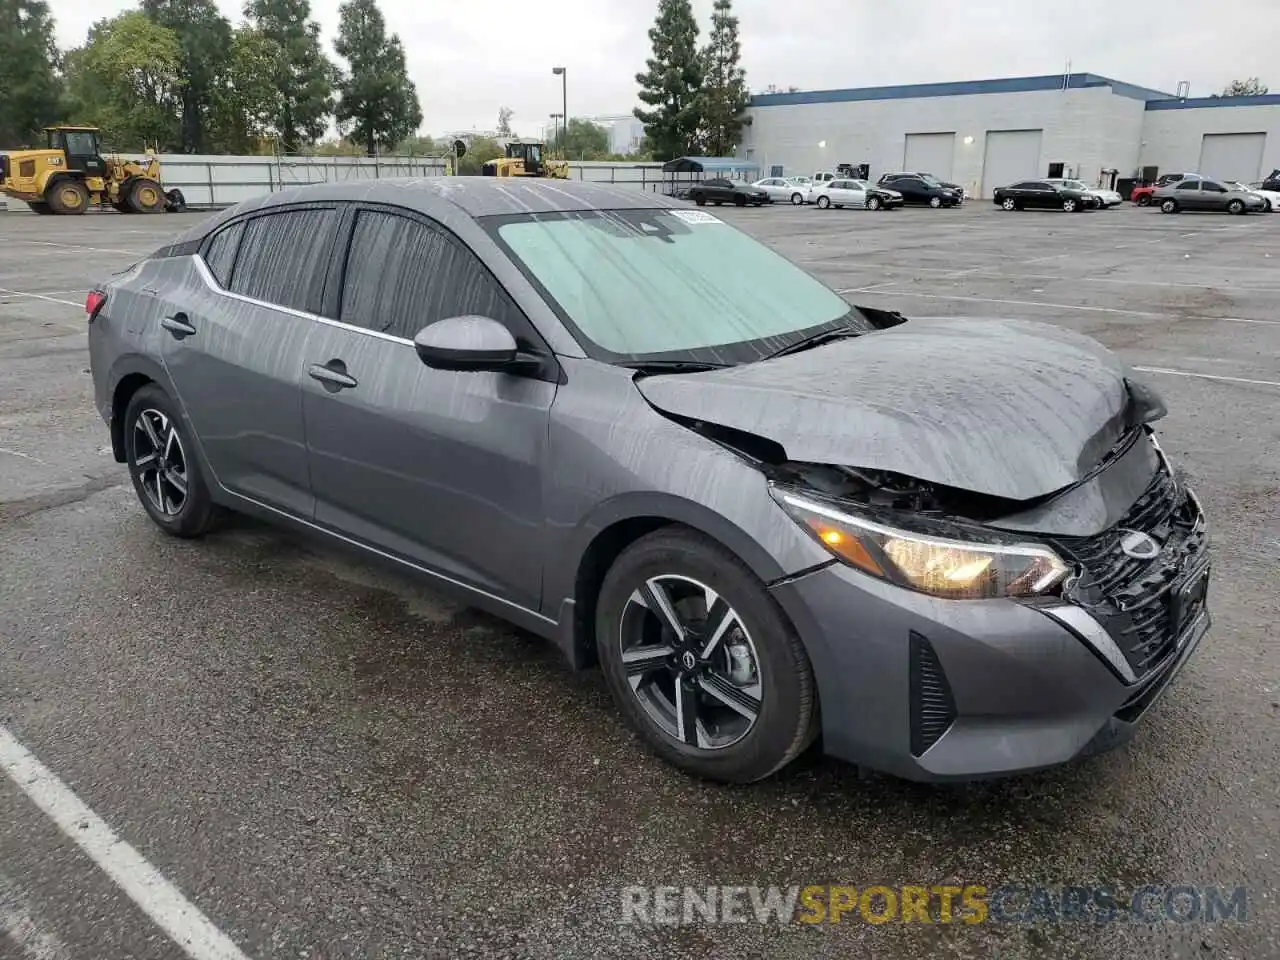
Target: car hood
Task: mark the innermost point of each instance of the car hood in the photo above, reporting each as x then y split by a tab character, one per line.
1007	408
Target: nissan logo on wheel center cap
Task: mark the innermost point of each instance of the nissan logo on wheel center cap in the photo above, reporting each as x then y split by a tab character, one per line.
689	660
1136	544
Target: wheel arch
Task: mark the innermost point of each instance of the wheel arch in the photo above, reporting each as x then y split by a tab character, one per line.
130	374
616	525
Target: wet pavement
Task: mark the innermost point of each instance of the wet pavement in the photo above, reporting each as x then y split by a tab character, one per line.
329	761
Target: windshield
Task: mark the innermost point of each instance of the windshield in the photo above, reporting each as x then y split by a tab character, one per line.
1073	184
931	180
669	284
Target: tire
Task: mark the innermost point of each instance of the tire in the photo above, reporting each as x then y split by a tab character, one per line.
1144	200
873	203
824	202
699	199
739	200
158	486
40	207
145	196
935	202
1236	207
839	206
67	197
776	684
1169	206
174	201
797	199
121	206
1070	206
1009	203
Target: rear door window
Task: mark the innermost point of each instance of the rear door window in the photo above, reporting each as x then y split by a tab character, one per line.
282	257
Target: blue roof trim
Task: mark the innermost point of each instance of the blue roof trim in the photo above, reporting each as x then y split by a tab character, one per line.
964	88
1195	103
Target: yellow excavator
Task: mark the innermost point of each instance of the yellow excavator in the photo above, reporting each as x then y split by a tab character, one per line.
71	174
525	158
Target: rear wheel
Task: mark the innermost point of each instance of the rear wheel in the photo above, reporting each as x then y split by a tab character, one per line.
824	202
1144	200
700	660
166	475
1169	206
68	197
145	196
40	207
797	199
699	199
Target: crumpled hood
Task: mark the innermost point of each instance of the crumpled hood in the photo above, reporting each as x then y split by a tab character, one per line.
1007	408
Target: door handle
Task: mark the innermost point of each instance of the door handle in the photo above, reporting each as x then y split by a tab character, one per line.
178	325
333	375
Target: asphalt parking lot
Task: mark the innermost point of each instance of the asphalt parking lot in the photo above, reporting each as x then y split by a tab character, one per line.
325	761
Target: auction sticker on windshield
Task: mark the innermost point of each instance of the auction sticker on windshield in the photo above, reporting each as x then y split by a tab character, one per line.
695	216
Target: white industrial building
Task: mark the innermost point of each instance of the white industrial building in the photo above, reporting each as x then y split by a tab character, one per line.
987	133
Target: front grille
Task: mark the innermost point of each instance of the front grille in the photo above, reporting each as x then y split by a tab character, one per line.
1133	598
933	709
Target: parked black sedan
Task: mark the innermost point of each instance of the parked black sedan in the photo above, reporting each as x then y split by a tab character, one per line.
718	190
922	189
1043	195
945	184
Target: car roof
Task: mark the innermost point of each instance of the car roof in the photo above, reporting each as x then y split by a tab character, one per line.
445	197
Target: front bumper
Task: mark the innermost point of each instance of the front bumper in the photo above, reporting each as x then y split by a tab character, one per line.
931	689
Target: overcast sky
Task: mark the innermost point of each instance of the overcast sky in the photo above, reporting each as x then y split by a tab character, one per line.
468	58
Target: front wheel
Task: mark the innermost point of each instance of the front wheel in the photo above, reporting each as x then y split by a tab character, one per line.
873	203
739	200
1169	206
1236	207
1069	206
797	199
824	202
700	200
701	661
166	474
1009	203
145	196
40	207
935	202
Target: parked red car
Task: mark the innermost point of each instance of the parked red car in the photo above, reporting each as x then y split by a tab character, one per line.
1141	195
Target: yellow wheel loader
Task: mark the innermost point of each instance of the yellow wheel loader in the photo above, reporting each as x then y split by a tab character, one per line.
71	174
525	159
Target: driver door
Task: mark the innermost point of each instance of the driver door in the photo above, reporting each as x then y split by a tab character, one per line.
442	468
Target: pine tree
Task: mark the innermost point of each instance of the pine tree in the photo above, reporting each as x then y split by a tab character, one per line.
379	104
301	76
205	35
28	85
671	82
724	94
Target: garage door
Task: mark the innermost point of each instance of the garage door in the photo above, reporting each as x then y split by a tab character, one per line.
1232	156
930	153
1010	156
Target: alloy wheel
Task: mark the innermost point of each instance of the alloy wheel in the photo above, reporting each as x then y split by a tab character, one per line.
161	461
1008	203
690	662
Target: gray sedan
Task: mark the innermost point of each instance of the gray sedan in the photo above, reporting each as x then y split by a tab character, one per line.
1203	195
942	548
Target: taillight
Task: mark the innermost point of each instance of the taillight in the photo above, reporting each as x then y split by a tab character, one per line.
93	302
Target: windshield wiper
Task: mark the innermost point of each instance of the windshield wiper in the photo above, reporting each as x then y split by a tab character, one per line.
815	340
671	366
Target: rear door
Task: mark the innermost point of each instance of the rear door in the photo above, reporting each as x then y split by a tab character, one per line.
439	467
912	189
232	344
1187	193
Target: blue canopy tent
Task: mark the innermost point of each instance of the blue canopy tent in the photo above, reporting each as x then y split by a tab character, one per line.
698	168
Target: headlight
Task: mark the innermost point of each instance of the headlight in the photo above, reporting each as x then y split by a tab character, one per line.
954	569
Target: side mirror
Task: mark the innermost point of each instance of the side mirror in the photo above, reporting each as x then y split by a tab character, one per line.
467	343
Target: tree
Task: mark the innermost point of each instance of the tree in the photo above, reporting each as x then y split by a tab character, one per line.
127	79
1252	87
479	149
245	99
379	104
583	140
28	84
205	36
504	121
301	75
670	84
724	93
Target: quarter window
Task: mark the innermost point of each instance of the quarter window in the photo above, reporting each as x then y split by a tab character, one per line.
402	275
282	257
220	254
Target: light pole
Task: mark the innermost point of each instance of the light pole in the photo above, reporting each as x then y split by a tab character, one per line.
563	74
555	128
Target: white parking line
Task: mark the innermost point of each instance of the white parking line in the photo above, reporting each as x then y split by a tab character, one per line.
83	246
39	296
1207	376
140	881
877	288
984	273
17	922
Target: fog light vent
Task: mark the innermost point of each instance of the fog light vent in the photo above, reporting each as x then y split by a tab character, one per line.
933	709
